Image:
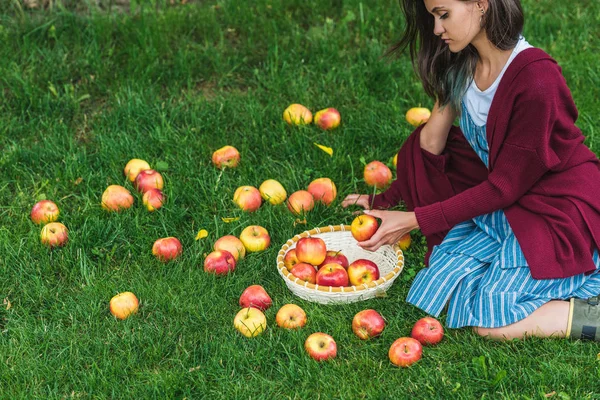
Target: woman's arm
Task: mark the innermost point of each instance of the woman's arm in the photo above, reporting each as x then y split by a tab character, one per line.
435	132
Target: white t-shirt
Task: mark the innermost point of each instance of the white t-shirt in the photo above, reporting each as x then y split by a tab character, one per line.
478	102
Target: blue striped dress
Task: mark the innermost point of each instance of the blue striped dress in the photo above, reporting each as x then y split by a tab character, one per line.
479	270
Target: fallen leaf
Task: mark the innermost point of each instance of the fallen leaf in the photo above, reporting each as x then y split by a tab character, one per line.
230	219
202	233
550	394
78	181
326	149
194	369
6	302
300	221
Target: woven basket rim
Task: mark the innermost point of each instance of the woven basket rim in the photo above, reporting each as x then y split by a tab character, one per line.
287	275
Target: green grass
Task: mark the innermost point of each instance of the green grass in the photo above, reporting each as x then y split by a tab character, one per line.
82	93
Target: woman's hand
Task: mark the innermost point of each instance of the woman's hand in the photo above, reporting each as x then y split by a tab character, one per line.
357	199
394	225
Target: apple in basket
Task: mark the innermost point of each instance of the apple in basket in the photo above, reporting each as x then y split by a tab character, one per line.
250	321
362	271
149	179
332	274
377	174
290	259
54	234
323	190
167	249
335	257
290	316
232	244
272	191
247	198
220	262
255	238
428	331
405	351
367	324
255	296
305	271
44	211
123	305
364	227
320	346
300	202
311	250
134	167
226	157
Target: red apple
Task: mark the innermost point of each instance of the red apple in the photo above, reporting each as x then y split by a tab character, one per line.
335	257
323	190
311	250
54	234
123	305
116	198
300	202
405	351
290	259
320	346
44	211
377	174
290	316
233	245
417	116
134	167
297	114
332	274
219	262
362	271
255	296
367	324
250	321
153	199
149	179
272	191
247	198
255	238
305	271
364	227
167	249
328	118
428	331
226	157
404	242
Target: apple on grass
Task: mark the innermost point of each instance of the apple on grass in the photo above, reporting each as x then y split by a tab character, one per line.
255	296
290	316
300	202
116	198
226	157
297	114
323	190
305	272
167	249
231	244
250	321
219	262
364	227
247	198
255	238
272	191
362	271
417	116
290	259
54	234
44	211
153	199
320	346
311	250
328	118
367	324
134	167
428	331
377	174
405	351
332	274
123	305
149	179
335	257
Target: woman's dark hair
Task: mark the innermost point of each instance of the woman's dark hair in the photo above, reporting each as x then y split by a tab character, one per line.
446	75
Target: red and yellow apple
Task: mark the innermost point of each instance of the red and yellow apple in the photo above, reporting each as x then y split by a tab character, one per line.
54	234
226	157
290	316
272	191
153	199
250	321
255	238
167	249
377	174
362	271
247	198
255	296
363	227
305	272
335	257
405	351
231	244
300	202
123	305
417	116
116	198
428	331
44	211
320	346
219	262
134	167
404	242
323	190
311	250
332	274
328	118
290	259
367	324
149	179
297	114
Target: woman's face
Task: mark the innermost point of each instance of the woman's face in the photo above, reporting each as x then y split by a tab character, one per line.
456	22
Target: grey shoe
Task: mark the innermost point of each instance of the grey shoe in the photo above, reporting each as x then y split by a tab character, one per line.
584	321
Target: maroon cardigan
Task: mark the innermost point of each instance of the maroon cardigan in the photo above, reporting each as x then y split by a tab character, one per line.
540	173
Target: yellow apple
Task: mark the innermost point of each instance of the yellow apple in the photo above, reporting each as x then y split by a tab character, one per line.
297	114
226	156
272	191
116	198
54	234
255	238
134	167
290	316
250	322
123	305
231	244
417	116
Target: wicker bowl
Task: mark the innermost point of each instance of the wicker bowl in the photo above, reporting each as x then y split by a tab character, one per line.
389	259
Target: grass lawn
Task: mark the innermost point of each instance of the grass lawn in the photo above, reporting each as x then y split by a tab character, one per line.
83	92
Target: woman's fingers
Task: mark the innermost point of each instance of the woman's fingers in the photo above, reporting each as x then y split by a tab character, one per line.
355	199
